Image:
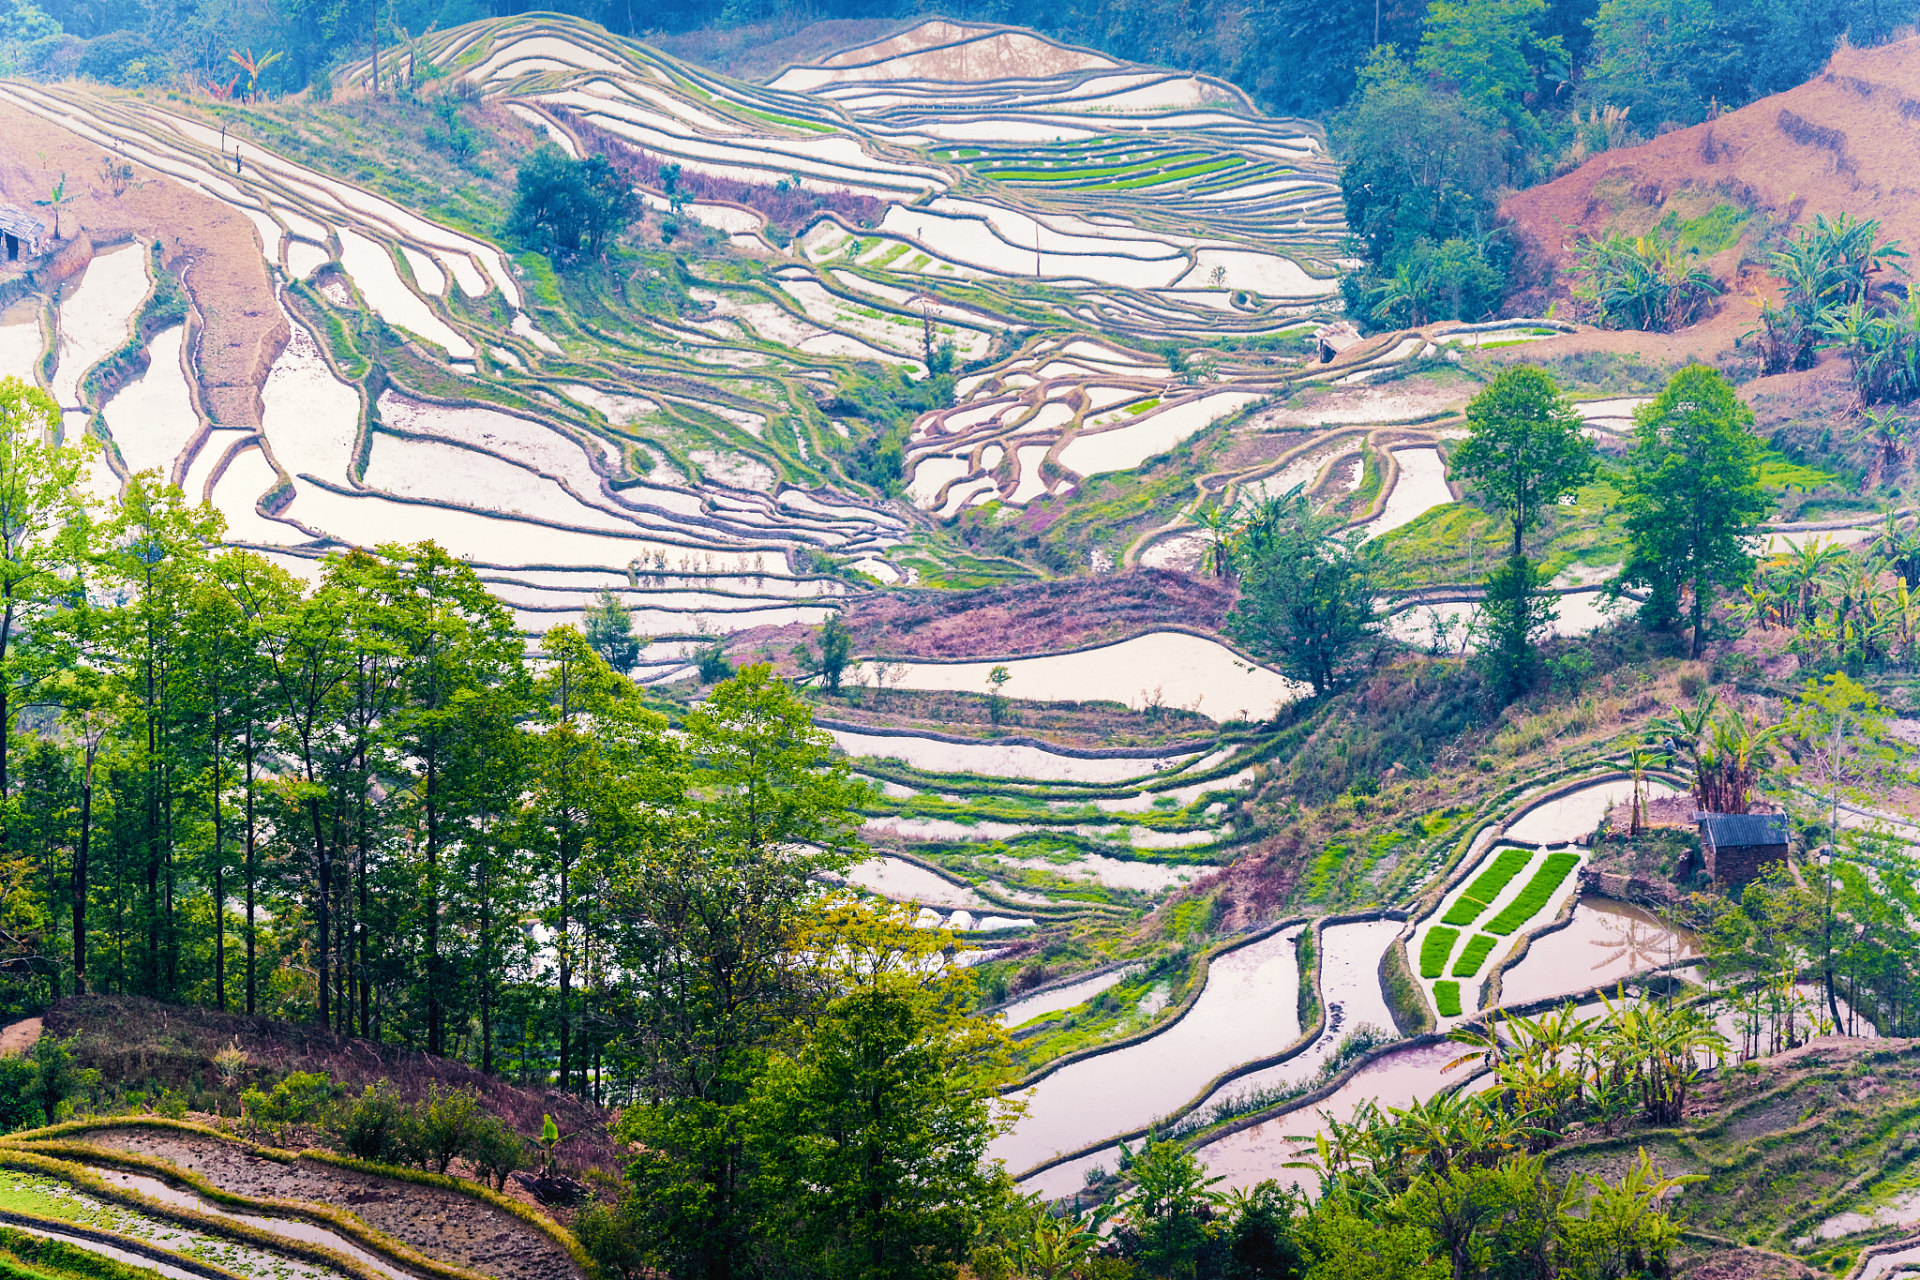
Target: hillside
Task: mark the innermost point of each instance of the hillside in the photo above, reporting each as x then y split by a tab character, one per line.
1843	142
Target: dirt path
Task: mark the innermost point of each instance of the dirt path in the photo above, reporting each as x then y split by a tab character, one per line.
441	1224
20	1036
216	247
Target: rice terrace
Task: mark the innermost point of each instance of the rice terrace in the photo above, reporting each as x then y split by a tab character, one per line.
1215	642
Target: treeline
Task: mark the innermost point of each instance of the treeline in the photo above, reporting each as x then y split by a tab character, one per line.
355	799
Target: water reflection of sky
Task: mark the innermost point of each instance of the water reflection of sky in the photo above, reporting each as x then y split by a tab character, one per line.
1605	941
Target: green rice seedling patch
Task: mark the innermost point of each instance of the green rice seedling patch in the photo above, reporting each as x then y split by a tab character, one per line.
920	260
1487	886
1434	950
1143	406
1446	999
1473	955
807	126
1171	175
889	256
1538	891
1779	472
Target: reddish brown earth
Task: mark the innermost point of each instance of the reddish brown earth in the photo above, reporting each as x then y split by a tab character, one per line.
213	247
1843	142
1042	617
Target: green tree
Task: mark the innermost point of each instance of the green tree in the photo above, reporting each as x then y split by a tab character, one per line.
1490	51
1523	452
1524	449
712	889
608	625
870	1138
829	662
45	538
1306	592
567	208
1654	58
1692	497
1418	163
1171	1211
57	1074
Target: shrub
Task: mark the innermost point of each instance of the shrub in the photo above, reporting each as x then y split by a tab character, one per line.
18	1108
496	1150
375	1126
1539	889
295	1100
565	207
1435	949
1446	998
1473	955
55	1074
607	1236
1641	283
1487	886
447	1122
711	661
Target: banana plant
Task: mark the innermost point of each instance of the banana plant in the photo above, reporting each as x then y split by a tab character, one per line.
56	200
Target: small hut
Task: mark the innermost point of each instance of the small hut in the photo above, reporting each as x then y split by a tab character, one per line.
1336	337
1738	846
20	229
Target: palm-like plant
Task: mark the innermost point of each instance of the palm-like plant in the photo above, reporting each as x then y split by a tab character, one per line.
253	67
56	200
1223	530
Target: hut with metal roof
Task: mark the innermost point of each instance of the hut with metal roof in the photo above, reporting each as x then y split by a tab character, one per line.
20	230
1739	846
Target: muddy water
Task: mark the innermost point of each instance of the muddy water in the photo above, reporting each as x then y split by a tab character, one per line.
1606	941
154	1189
1578	812
1063	997
139	1260
1248	1008
1350	986
1263	1150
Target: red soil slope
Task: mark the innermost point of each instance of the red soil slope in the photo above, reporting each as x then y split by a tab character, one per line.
1846	141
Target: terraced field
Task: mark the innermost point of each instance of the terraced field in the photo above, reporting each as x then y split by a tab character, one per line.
1119	263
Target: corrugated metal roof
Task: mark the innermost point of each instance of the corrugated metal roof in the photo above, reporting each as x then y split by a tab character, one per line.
1732	830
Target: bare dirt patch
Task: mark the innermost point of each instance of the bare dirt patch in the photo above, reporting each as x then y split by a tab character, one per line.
214	248
19	1036
1035	618
441	1224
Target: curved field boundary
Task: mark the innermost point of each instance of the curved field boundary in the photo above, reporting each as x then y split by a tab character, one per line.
80	1177
1056	984
1308	1038
1184	629
1205	963
60	1228
346	1223
473	1191
1039	744
1354	1068
1054	911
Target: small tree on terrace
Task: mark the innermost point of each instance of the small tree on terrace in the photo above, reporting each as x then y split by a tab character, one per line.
1523	451
1692	496
1306	591
567	208
608	625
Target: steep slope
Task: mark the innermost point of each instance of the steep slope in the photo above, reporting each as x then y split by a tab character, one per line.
1846	141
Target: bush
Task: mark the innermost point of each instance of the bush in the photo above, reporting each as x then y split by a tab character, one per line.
565	208
1545	881
607	1236
1435	949
124	58
375	1126
711	661
1487	886
447	1122
298	1099
1641	283
1473	955
495	1150
18	1109
1446	998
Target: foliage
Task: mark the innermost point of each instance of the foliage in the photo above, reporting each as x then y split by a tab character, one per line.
1457	279
1524	449
1534	894
1641	282
1514	614
1826	269
376	1126
607	624
569	209
1693	497
884	406
829	662
296	1099
1486	886
1306	591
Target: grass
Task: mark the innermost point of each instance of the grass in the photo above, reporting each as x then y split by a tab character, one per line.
1435	949
1777	472
1446	998
1487	886
1170	175
1539	889
1473	955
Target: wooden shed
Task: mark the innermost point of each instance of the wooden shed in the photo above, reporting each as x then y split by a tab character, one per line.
1738	846
20	230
